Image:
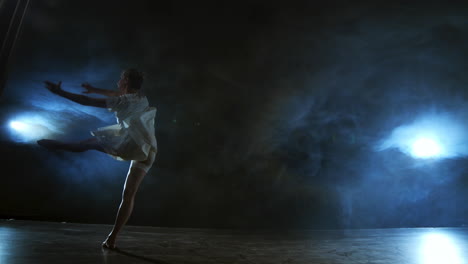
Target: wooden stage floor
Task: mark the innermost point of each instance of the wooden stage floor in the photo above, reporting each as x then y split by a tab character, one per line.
26	242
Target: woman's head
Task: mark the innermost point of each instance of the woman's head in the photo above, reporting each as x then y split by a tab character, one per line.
130	81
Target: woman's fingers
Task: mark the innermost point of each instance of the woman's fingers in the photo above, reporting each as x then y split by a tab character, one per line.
48	84
51	83
88	88
52	86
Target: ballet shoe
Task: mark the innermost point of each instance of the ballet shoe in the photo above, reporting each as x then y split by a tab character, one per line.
48	143
105	244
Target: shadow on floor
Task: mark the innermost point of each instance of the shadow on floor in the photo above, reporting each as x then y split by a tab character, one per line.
132	255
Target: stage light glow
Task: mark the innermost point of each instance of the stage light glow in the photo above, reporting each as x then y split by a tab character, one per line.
429	137
439	248
6	235
19	126
425	148
28	128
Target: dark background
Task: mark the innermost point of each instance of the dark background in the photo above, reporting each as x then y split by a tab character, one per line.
268	114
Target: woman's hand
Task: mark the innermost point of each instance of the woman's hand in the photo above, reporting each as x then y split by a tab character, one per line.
54	88
88	87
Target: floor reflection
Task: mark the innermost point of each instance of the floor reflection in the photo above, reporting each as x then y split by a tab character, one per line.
58	243
6	237
440	247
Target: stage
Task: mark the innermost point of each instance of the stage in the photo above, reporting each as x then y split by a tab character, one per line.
47	242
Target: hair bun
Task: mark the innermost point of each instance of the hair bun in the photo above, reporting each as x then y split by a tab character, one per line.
134	77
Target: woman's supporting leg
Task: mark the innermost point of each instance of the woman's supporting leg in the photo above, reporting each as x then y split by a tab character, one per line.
80	146
134	177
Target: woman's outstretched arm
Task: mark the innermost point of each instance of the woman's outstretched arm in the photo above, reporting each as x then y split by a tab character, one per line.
78	98
90	89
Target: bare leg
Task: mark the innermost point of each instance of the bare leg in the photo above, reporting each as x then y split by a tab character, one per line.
80	146
134	178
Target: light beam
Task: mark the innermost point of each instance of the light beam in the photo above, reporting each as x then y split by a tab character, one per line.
425	148
436	136
19	126
29	128
439	248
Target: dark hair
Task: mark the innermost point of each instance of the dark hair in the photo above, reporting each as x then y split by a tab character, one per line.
134	78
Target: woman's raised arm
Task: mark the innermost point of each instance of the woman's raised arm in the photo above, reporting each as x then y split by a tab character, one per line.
77	98
90	89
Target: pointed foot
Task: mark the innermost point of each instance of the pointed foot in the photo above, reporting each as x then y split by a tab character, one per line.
49	144
109	244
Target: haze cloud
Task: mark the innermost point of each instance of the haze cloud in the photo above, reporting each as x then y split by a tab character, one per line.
267	115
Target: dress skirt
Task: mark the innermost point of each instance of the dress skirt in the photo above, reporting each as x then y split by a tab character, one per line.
131	139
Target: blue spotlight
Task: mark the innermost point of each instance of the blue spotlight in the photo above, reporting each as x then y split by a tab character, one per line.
440	248
18	126
30	128
426	148
429	137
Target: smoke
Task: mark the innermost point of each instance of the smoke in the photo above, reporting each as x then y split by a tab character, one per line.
349	127
446	130
267	115
58	118
90	180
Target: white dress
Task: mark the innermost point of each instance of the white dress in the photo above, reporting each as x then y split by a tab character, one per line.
133	137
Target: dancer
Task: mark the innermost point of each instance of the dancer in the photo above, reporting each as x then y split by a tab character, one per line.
132	138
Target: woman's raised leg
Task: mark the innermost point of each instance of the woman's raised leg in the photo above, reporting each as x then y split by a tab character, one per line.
80	146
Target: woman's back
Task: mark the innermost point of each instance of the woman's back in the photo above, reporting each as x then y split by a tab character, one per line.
127	106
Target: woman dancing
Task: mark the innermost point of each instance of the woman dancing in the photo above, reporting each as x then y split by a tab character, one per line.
132	138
